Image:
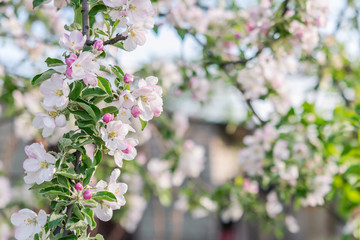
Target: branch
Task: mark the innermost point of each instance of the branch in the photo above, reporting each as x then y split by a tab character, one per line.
85	18
69	210
119	37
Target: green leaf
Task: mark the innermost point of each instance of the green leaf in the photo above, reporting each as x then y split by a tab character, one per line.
353	170
89	215
88	172
55	219
38	3
68	175
88	109
78	213
38	79
70	237
97	8
110	109
99	237
143	124
105	85
74	224
53	62
41	186
65	142
105	195
97	157
93	92
117	71
75	89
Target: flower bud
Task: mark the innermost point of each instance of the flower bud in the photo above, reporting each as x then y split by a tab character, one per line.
70	59
99	45
136	111
68	73
108	117
128	78
87	194
79	187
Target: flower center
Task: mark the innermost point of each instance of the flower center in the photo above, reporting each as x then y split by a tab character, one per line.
123	113
112	134
145	99
52	114
132	33
132	7
117	191
72	43
43	164
58	92
126	97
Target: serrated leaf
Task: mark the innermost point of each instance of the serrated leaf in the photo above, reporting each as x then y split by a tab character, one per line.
97	8
53	62
55	219
110	109
75	89
68	175
105	85
38	79
105	195
93	92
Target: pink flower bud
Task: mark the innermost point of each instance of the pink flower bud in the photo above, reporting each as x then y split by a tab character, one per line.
87	194
68	73
237	35
99	45
79	186
250	26
108	117
127	150
136	111
70	59
128	78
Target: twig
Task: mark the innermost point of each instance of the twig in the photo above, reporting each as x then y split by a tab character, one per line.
85	18
71	207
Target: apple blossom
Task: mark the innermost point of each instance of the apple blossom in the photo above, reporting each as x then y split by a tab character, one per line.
115	3
108	117
128	78
149	98
48	122
84	66
55	91
98	45
129	153
114	135
128	100
28	223
74	41
78	186
71	59
87	194
135	36
104	209
39	166
138	10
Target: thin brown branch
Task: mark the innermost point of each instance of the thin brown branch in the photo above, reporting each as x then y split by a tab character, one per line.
85	19
119	37
69	210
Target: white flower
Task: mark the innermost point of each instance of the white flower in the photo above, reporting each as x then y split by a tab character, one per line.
5	194
129	153
234	212
292	224
273	206
74	41
39	166
191	162
55	92
84	67
48	122
114	135
104	210
139	10
28	223
114	3
136	36
149	98
124	115
128	100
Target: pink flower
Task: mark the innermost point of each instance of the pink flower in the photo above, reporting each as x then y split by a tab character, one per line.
108	117
99	45
74	41
136	111
128	78
87	194
79	187
70	59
